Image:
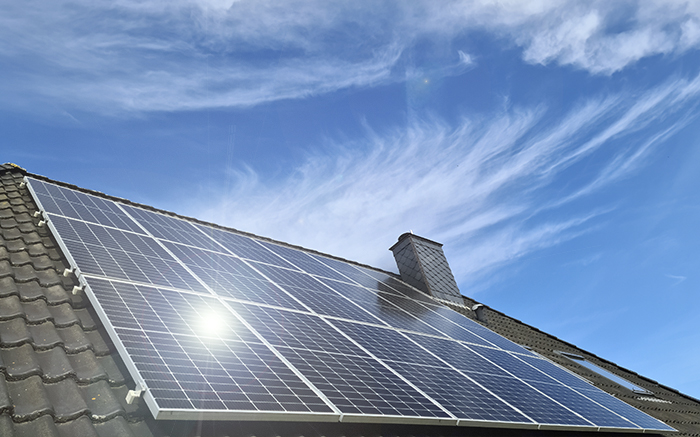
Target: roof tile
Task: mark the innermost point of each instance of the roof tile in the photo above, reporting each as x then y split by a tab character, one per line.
54	364
115	374
87	368
86	320
45	335
82	426
20	362
15	245
14	332
63	315
10	307
29	398
67	400
117	426
36	311
5	403
101	401
42	426
74	339
5	269
99	344
7	287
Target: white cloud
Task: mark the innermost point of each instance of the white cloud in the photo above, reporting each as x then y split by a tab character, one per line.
477	186
130	56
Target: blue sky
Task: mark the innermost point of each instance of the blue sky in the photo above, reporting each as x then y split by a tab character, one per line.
552	146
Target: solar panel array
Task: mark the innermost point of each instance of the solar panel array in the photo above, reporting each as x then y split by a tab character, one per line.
213	324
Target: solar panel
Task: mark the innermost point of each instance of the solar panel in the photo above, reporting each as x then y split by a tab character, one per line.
213	324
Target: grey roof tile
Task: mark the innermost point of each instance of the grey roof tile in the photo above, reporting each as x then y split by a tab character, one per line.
56	294
42	426
20	362
86	320
67	400
30	291
115	373
29	398
10	307
87	368
5	269
63	315
117	426
5	402
36	311
74	339
15	245
101	401
54	364
82	426
7	428
8	286
44	335
99	344
14	332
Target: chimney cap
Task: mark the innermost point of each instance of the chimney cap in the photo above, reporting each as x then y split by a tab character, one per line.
412	235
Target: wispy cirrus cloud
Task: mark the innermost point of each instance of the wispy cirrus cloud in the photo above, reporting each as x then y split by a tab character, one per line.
129	57
491	189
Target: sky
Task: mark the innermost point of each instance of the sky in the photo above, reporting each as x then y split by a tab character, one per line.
551	146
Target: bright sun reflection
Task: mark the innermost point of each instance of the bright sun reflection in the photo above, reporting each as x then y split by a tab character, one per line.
211	324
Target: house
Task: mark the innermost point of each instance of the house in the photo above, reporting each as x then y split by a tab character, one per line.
77	359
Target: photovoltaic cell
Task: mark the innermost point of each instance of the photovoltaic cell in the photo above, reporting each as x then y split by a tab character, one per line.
244	247
585	407
82	206
231	277
303	261
296	330
457	355
360	385
171	228
387	344
123	255
458	394
331	304
640	419
528	400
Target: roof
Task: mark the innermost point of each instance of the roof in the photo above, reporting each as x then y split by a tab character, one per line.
61	375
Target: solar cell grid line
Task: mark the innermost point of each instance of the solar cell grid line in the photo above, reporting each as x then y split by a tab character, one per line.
294	278
294	329
457	355
243	247
585	407
353	274
78	205
387	343
303	261
511	364
141	263
380	308
534	404
638	417
556	372
459	395
359	385
483	332
434	319
231	277
171	228
332	304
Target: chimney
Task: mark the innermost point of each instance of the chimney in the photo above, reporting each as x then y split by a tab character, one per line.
422	264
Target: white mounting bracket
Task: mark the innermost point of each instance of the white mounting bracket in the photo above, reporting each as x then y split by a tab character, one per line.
77	289
131	395
37	213
22	184
67	272
41	223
